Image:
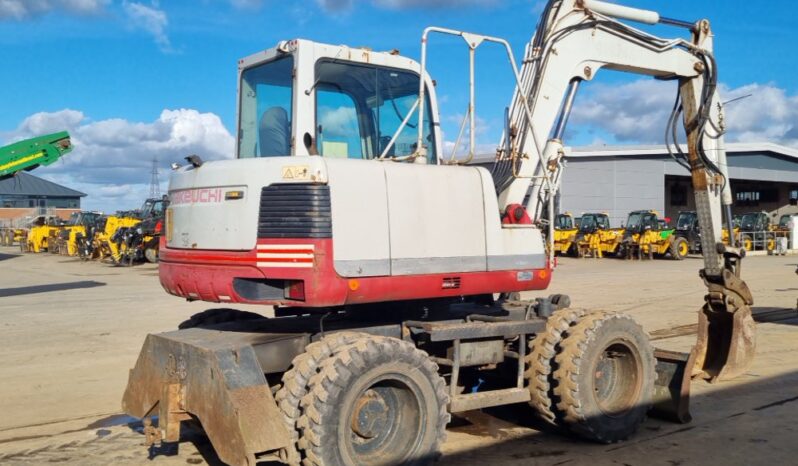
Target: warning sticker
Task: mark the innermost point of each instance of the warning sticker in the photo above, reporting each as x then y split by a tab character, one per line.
296	172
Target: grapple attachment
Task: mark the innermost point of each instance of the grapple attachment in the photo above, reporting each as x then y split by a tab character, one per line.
216	378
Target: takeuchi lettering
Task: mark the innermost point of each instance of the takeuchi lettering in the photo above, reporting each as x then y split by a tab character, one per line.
197	196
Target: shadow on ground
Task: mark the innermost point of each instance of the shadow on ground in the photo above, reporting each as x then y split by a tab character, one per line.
23	290
517	437
513	435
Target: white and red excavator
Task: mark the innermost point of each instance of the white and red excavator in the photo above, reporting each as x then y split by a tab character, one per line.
395	270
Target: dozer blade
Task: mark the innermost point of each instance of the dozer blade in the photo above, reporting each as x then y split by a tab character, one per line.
726	343
672	387
217	378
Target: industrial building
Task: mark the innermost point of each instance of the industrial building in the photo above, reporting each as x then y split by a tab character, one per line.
620	179
25	194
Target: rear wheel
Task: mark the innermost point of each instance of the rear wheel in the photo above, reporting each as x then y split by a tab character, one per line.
379	401
539	372
211	317
295	381
606	377
151	254
770	244
679	248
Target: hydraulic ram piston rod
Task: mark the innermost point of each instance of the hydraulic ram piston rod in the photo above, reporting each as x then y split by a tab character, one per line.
633	14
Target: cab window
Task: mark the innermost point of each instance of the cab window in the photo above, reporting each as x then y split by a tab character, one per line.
265	109
360	110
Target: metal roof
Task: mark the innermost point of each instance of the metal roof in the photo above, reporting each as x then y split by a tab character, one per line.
25	184
632	150
660	150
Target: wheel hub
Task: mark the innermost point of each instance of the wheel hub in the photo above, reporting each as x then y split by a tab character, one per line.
615	379
371	416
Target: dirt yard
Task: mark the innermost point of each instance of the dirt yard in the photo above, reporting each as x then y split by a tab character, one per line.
70	331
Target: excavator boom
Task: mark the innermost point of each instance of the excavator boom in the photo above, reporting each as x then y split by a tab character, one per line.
575	39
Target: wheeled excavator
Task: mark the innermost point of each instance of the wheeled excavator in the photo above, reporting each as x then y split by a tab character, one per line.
383	258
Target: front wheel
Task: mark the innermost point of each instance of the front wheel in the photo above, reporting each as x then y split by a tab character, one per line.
379	401
606	372
151	255
770	245
679	248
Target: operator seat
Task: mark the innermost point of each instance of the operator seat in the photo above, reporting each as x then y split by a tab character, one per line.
274	133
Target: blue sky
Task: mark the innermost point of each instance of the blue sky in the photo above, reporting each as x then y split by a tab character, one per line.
137	79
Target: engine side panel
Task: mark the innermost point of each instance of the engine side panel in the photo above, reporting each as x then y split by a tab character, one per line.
437	220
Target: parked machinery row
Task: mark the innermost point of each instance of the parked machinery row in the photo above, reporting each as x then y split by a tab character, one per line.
645	234
121	238
753	231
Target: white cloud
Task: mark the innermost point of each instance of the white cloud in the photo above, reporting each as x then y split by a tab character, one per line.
770	114
637	112
632	112
112	159
151	19
339	121
23	9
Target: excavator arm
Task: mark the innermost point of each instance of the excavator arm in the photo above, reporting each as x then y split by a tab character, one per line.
32	153
574	40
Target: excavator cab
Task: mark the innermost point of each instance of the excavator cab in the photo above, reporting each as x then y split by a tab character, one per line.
364	107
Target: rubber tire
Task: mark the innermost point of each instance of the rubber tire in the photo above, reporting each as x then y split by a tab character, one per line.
676	249
151	255
339	376
575	374
295	382
770	245
539	372
217	316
